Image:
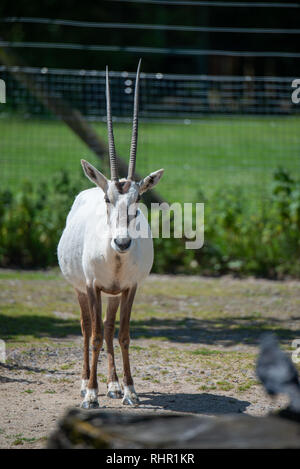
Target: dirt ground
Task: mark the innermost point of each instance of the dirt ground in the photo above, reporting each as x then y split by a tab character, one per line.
193	349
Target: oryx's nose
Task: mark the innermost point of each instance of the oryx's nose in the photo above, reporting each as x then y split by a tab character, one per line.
122	243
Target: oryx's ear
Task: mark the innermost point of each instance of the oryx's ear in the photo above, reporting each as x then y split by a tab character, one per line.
150	181
94	175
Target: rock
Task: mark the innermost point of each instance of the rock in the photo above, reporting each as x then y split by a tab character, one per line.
106	429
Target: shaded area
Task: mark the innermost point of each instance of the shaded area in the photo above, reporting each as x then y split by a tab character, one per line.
37	326
6	379
203	403
228	331
33	369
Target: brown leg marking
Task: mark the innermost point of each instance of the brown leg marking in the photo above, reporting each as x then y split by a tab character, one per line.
114	390
94	302
86	332
124	338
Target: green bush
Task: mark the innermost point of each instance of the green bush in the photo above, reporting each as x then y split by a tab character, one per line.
238	239
32	220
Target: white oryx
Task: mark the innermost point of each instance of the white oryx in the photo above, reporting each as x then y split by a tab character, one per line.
98	255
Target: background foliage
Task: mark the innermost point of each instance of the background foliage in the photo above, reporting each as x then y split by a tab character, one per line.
263	242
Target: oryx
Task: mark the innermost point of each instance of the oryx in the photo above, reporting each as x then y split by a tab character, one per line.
99	256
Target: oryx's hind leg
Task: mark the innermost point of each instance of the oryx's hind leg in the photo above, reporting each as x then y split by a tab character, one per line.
113	387
130	396
86	329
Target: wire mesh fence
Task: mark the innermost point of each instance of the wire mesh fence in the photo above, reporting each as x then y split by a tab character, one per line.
208	132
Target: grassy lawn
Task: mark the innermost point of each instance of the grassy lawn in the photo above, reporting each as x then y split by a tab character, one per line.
38	306
213	324
202	156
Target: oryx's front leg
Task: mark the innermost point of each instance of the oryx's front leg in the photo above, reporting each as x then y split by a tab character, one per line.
86	329
94	300
130	396
113	387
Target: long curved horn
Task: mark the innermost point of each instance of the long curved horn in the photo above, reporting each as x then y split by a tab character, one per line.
134	136
111	141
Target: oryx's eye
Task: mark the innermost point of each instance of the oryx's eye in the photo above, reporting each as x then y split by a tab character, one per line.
106	199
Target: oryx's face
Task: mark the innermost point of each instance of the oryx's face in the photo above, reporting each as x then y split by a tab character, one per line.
122	204
121	196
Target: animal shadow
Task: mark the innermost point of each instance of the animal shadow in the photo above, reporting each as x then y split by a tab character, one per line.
203	403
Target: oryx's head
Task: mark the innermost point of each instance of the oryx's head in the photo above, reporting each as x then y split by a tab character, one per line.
121	195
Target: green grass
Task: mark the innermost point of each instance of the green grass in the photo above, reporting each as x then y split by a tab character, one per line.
204	155
41	306
204	352
21	440
67	366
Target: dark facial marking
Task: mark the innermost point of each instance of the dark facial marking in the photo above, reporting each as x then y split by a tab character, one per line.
120	186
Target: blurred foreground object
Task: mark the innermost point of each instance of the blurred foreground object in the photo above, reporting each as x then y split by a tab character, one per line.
277	372
99	429
107	430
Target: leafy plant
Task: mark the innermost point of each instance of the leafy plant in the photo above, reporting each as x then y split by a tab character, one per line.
239	240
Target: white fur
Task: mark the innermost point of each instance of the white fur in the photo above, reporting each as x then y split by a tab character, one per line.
114	386
86	255
91	395
129	390
84	383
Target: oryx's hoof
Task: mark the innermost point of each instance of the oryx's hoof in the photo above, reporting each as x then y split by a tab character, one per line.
114	390
90	399
131	400
130	396
90	405
114	394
